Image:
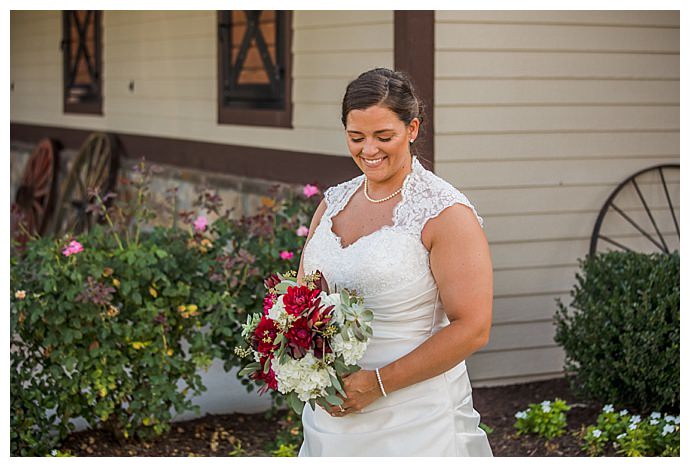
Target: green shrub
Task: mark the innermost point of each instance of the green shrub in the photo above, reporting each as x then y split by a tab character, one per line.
633	435
546	419
105	325
621	332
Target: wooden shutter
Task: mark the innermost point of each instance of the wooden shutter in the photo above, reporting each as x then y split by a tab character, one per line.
81	46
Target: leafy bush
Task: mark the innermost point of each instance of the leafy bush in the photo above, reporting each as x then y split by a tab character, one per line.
621	333
546	419
105	325
633	435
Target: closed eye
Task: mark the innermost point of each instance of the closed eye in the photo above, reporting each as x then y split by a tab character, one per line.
385	140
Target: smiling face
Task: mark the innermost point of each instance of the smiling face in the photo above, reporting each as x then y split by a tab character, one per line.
380	143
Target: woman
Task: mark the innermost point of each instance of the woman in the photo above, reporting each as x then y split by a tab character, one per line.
413	246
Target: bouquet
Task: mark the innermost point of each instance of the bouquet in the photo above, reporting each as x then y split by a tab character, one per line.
305	340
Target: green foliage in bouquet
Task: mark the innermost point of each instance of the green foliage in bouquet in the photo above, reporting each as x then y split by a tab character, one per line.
105	325
621	332
546	419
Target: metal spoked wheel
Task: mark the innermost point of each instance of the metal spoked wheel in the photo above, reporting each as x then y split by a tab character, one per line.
641	214
35	196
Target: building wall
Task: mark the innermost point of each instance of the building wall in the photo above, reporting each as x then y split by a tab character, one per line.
171	58
539	115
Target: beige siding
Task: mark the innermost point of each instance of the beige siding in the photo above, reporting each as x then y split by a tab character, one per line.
539	115
171	57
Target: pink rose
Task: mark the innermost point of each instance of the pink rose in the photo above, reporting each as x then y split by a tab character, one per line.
286	255
200	224
310	190
73	248
302	231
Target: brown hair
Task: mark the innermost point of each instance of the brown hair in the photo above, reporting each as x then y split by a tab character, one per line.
393	90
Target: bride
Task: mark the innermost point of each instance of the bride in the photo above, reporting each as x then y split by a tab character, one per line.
413	246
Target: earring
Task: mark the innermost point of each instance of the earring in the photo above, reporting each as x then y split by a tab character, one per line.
411	141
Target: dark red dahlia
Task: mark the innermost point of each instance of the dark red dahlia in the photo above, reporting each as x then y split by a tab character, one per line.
300	334
265	333
299	299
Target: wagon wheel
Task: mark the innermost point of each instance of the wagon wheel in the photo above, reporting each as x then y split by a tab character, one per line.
95	167
642	213
35	196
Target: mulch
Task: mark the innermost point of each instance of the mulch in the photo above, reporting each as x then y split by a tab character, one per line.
252	434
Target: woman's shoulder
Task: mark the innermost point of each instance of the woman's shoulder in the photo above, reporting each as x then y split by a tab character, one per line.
435	194
336	193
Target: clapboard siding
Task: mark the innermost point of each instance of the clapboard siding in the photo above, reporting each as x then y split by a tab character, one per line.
170	57
538	117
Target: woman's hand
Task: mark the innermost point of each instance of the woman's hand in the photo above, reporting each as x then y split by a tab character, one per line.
362	388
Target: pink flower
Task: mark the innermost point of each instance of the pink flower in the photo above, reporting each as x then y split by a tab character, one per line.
310	190
73	248
286	255
302	231
200	224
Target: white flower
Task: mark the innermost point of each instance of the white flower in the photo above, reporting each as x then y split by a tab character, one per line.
632	427
622	435
596	433
351	350
277	312
546	408
655	415
308	376
676	419
608	408
545	403
654	421
521	414
635	419
53	452
623	412
669	418
668	429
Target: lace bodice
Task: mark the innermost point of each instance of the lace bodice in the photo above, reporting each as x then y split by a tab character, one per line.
389	257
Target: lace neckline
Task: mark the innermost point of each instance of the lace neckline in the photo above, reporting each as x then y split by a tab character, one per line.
416	167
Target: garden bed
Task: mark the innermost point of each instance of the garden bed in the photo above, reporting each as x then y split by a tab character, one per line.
250	434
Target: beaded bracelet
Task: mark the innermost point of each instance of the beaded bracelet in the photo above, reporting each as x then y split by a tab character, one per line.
378	376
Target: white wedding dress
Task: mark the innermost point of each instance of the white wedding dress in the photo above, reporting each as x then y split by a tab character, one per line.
390	269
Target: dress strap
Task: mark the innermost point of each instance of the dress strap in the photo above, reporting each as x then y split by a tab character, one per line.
337	196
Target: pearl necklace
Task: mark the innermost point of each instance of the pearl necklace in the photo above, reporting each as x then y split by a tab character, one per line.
366	194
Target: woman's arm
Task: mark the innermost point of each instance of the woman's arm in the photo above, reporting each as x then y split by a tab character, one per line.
461	264
316	218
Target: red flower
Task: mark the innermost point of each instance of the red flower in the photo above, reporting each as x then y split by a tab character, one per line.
269	378
269	300
299	299
265	333
300	334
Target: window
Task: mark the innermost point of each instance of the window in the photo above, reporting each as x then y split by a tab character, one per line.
254	67
81	47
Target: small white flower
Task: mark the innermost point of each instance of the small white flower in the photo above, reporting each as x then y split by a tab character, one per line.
668	429
53	452
596	433
655	415
521	414
632	427
608	408
623	412
669	418
654	421
622	435
635	419
546	408
676	419
545	403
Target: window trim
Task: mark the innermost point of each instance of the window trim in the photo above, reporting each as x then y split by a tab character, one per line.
95	107
257	117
